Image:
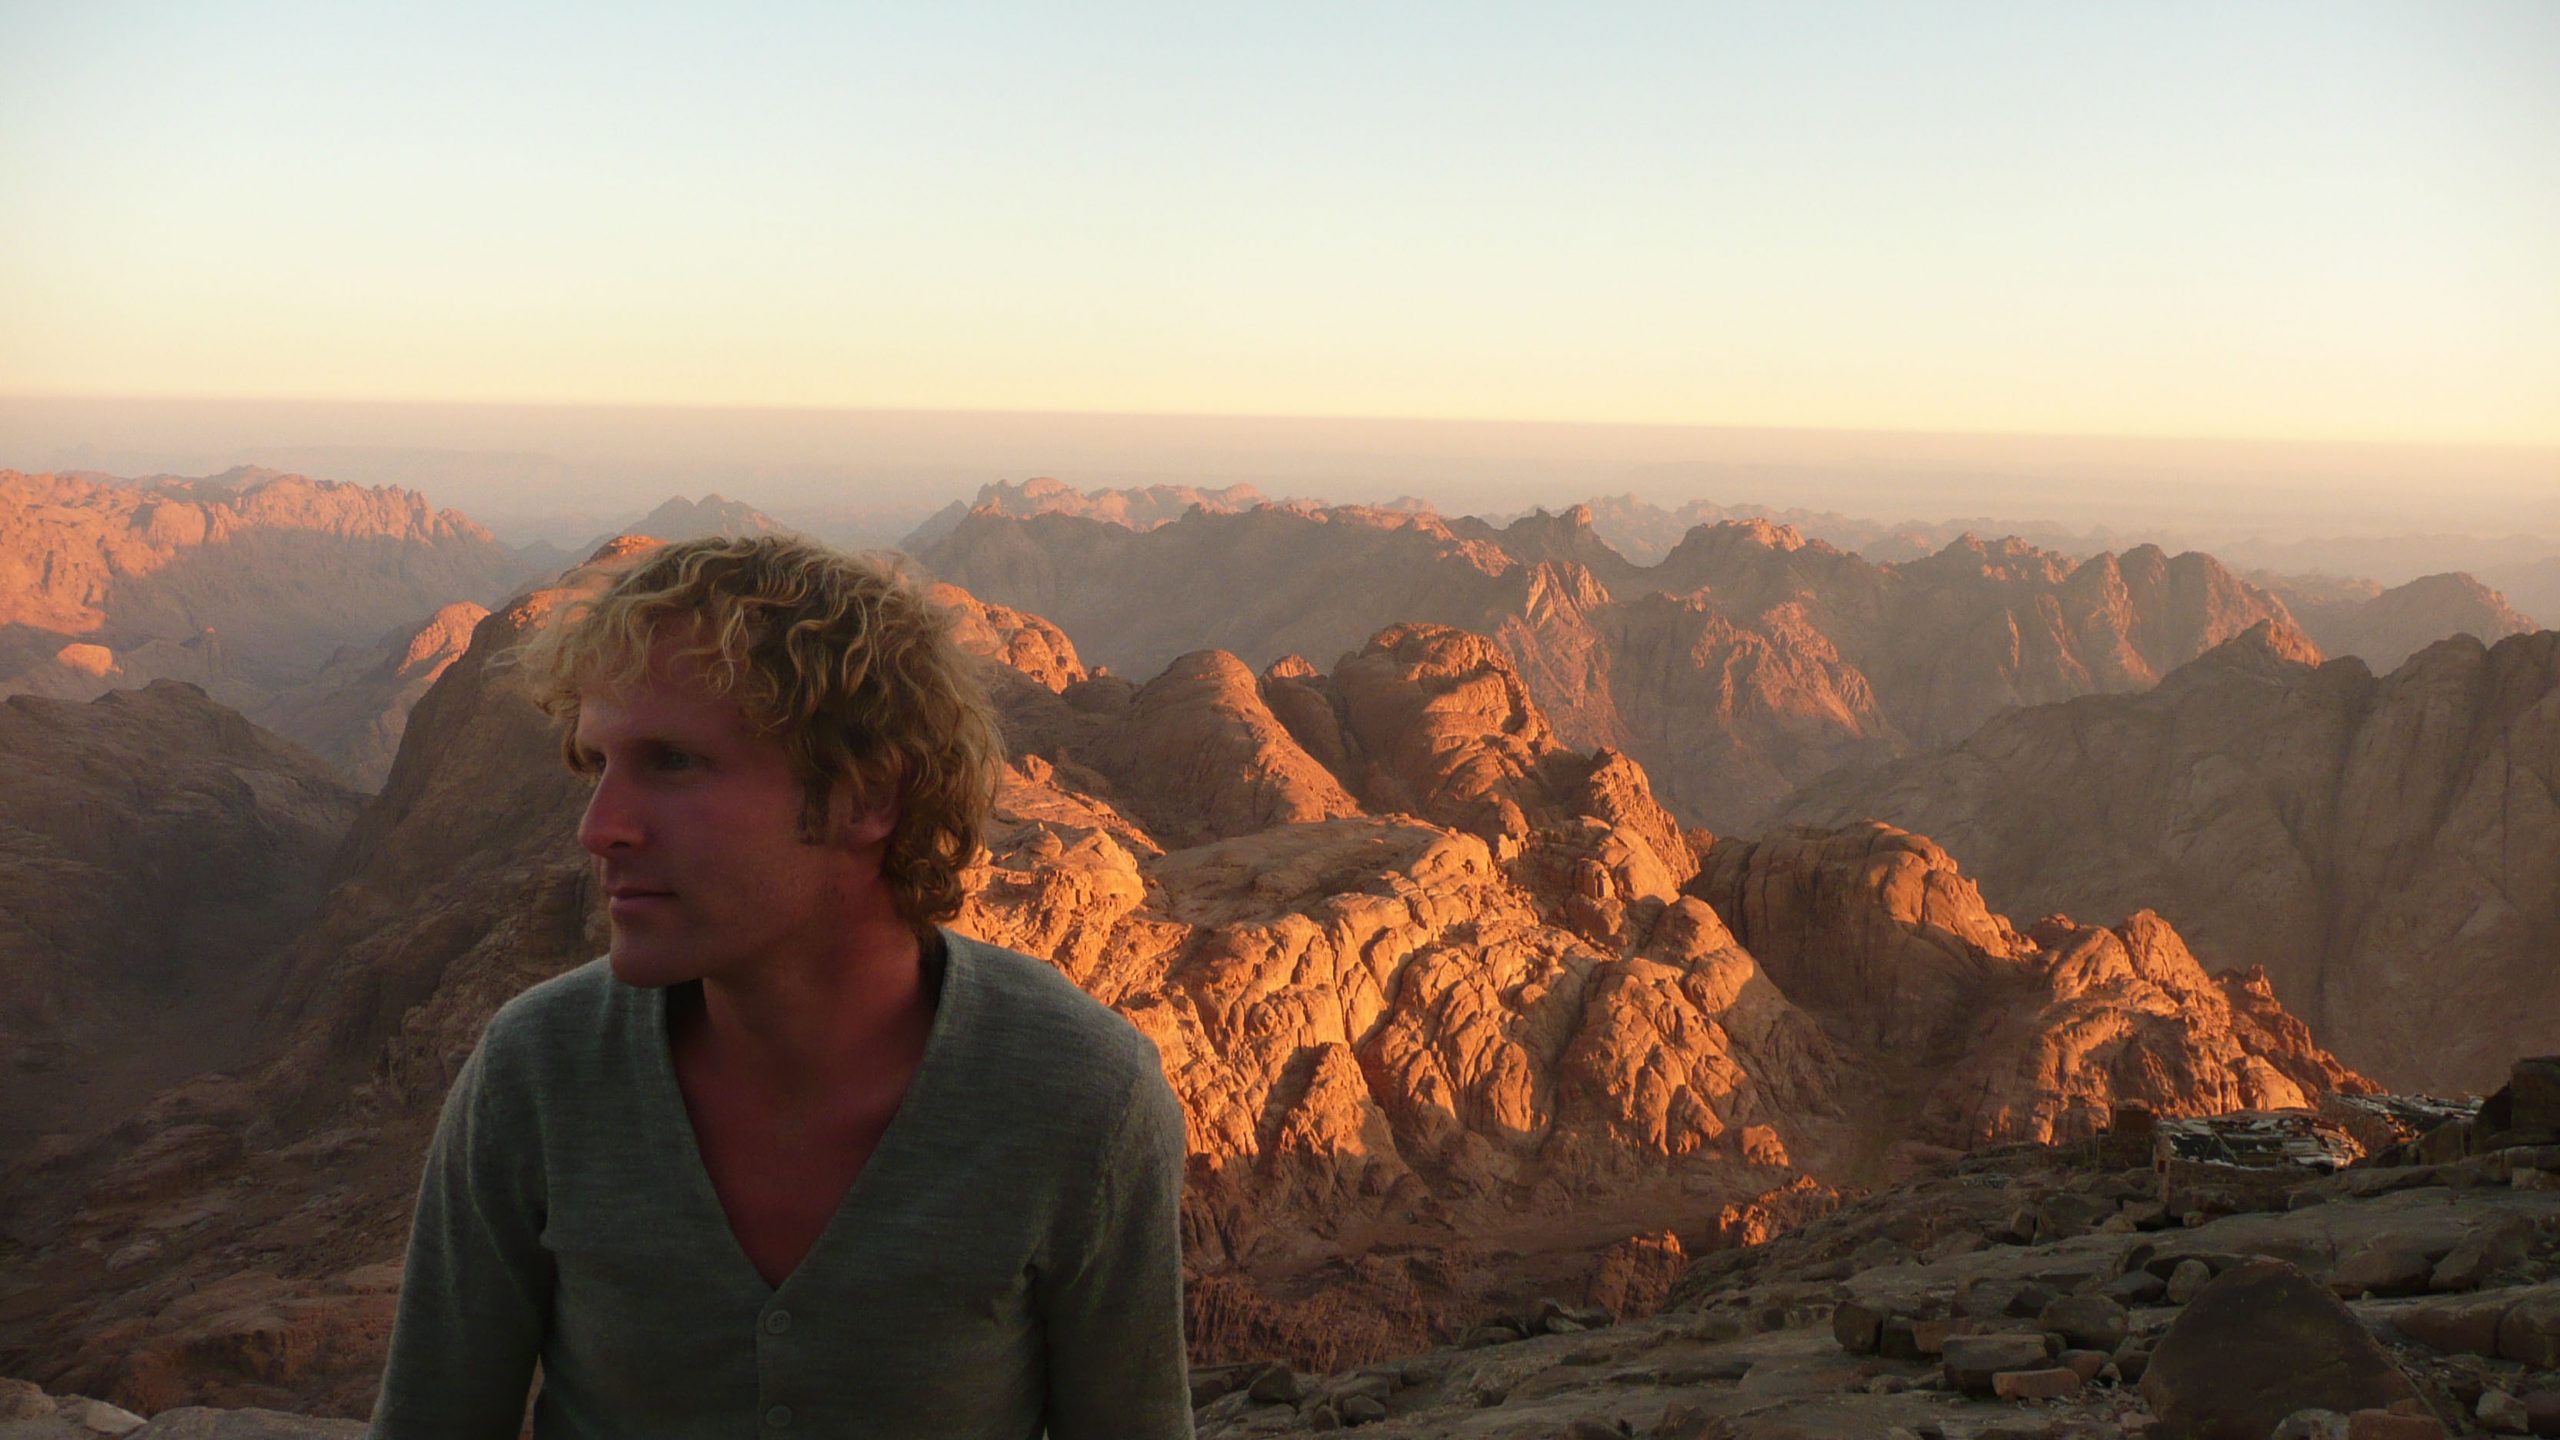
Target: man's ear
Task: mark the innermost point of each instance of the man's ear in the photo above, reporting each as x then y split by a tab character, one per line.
861	827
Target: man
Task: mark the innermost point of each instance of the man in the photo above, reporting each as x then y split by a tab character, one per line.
791	1159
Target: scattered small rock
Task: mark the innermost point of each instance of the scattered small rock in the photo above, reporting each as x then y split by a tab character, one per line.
2500	1413
2311	1425
2054	1384
2088	1322
2190	1277
2389	1425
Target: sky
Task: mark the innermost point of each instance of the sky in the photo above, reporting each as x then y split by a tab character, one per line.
2330	221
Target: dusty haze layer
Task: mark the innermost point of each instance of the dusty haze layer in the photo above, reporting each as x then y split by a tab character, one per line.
512	466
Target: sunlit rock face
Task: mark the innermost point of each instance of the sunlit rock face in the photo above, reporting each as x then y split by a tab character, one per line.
2385	848
1452	1005
284	569
320	610
1744	663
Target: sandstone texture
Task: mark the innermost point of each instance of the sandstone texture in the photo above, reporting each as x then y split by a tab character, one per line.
1747	661
2386	848
1455	1008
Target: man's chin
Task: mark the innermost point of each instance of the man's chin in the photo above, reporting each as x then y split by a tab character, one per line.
643	966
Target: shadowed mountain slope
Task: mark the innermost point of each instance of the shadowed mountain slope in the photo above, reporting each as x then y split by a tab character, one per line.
2385	627
2387	848
155	849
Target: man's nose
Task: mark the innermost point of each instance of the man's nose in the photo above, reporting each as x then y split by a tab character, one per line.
611	822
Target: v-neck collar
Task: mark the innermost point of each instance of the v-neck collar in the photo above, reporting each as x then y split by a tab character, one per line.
709	1213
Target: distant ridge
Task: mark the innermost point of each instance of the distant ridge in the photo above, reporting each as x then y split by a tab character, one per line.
1749	660
1139	508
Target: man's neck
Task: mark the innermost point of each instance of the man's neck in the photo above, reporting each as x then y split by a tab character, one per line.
807	1033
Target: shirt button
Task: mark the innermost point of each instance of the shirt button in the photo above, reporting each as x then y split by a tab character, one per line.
779	1417
777	1322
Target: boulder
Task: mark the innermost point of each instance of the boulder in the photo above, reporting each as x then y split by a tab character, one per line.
2086	1322
2188	1280
2500	1413
2054	1384
2259	1343
28	1413
2466	1326
1857	1327
2530	1330
2483	1253
2392	1425
2533	1090
1974	1361
2387	1265
2138	1287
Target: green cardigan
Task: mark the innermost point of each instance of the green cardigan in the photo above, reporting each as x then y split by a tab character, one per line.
1008	1259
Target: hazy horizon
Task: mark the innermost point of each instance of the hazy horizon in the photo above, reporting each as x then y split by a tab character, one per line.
514	466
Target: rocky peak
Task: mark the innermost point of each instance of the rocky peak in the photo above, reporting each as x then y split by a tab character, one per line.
2270	650
2385	627
681	519
1201	757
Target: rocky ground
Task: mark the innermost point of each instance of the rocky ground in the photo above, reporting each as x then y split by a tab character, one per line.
2042	1292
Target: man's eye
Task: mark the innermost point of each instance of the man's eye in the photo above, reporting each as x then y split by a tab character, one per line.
675	760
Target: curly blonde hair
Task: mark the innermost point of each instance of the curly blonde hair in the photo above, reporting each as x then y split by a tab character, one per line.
842	658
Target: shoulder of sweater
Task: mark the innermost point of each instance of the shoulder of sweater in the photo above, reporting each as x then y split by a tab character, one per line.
548	1018
1031	1015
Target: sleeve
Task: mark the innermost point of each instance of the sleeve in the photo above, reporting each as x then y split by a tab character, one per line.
1112	1314
475	1293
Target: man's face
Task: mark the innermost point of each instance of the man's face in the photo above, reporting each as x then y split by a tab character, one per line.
695	826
